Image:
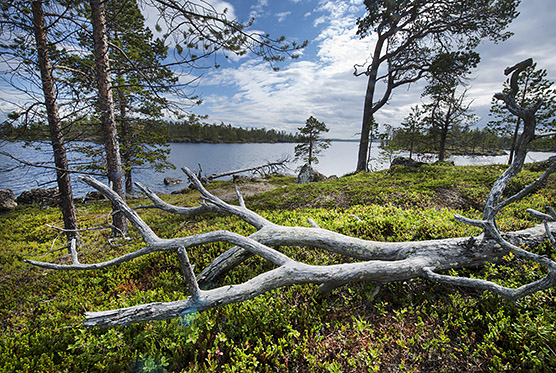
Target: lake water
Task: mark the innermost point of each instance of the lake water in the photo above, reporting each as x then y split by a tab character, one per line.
339	159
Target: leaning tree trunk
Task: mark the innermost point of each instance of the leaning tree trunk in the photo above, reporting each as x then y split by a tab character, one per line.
57	139
442	145
370	107
366	126
106	104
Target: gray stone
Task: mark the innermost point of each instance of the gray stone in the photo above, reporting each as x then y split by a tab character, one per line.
172	181
7	200
241	179
94	196
406	162
309	175
42	197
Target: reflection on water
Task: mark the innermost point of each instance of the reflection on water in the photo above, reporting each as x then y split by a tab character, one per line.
339	159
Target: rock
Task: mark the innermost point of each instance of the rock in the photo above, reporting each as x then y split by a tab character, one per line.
172	181
258	180
43	197
7	200
406	162
93	196
309	175
241	179
183	191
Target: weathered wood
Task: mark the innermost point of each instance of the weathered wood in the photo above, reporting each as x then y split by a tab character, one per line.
383	262
269	167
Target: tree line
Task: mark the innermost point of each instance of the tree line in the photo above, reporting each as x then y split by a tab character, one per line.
158	131
194	130
444	123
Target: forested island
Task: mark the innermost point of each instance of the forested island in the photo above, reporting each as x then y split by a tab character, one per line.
191	129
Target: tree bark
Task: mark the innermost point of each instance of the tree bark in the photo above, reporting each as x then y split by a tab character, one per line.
369	107
54	125
106	105
125	134
442	146
365	128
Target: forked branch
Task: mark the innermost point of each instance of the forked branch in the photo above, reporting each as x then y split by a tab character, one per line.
381	262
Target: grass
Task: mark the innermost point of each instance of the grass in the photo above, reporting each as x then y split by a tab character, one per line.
410	326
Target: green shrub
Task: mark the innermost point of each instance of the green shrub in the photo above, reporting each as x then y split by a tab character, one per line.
407	326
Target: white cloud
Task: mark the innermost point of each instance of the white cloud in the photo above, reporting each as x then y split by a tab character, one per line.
323	84
325	87
258	10
282	16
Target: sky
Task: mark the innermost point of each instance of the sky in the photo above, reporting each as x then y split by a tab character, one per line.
246	92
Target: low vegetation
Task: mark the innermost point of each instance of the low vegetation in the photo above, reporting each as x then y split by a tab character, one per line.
413	326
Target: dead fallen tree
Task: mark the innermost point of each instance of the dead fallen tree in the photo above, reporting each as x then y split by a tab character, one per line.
380	262
265	169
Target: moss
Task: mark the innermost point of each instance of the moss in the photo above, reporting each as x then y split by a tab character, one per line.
414	325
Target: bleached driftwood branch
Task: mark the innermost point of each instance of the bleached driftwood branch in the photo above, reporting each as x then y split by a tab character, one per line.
382	262
269	167
493	204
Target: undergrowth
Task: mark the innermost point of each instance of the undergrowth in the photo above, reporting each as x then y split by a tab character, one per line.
406	326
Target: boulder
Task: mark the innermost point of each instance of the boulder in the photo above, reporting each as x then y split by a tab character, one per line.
241	179
406	162
172	181
309	175
7	200
94	196
42	197
183	191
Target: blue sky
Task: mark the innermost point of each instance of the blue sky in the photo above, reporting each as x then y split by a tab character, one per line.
321	83
247	92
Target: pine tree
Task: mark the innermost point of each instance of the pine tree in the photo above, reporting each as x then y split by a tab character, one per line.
409	35
310	140
27	55
140	82
411	133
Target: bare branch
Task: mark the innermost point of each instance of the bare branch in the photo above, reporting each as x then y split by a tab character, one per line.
269	167
508	293
188	274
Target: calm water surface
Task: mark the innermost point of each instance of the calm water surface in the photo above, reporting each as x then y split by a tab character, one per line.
339	159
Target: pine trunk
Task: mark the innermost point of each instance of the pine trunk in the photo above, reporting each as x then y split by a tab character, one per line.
57	139
106	104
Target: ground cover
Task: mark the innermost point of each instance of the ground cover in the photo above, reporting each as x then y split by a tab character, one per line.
411	326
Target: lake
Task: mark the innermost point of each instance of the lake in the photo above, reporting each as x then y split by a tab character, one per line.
339	159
